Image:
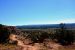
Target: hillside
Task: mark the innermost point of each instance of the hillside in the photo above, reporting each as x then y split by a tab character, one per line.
45	26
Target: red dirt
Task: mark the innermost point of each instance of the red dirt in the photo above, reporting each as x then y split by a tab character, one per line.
37	46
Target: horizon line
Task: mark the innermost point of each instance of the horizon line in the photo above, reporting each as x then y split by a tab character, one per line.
35	24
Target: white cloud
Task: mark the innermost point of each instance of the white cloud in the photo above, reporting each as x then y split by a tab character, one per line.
71	20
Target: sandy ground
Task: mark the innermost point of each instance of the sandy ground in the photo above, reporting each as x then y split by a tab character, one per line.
36	46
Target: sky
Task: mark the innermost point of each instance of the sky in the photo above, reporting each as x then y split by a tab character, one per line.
28	12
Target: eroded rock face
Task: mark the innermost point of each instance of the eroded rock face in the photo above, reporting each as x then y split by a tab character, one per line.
19	39
13	39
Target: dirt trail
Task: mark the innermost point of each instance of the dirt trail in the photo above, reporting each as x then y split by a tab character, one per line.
36	46
20	43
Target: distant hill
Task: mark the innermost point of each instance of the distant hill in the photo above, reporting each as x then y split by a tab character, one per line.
45	26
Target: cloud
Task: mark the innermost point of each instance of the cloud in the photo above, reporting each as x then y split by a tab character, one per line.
71	20
67	20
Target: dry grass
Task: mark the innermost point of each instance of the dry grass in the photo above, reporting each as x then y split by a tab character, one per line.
70	47
36	46
9	47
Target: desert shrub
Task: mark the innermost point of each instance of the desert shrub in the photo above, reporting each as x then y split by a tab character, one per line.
43	36
13	42
64	36
52	36
4	34
38	37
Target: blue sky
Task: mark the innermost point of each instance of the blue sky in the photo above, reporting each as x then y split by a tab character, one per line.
27	12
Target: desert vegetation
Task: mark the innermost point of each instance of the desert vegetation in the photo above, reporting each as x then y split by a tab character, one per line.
36	39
